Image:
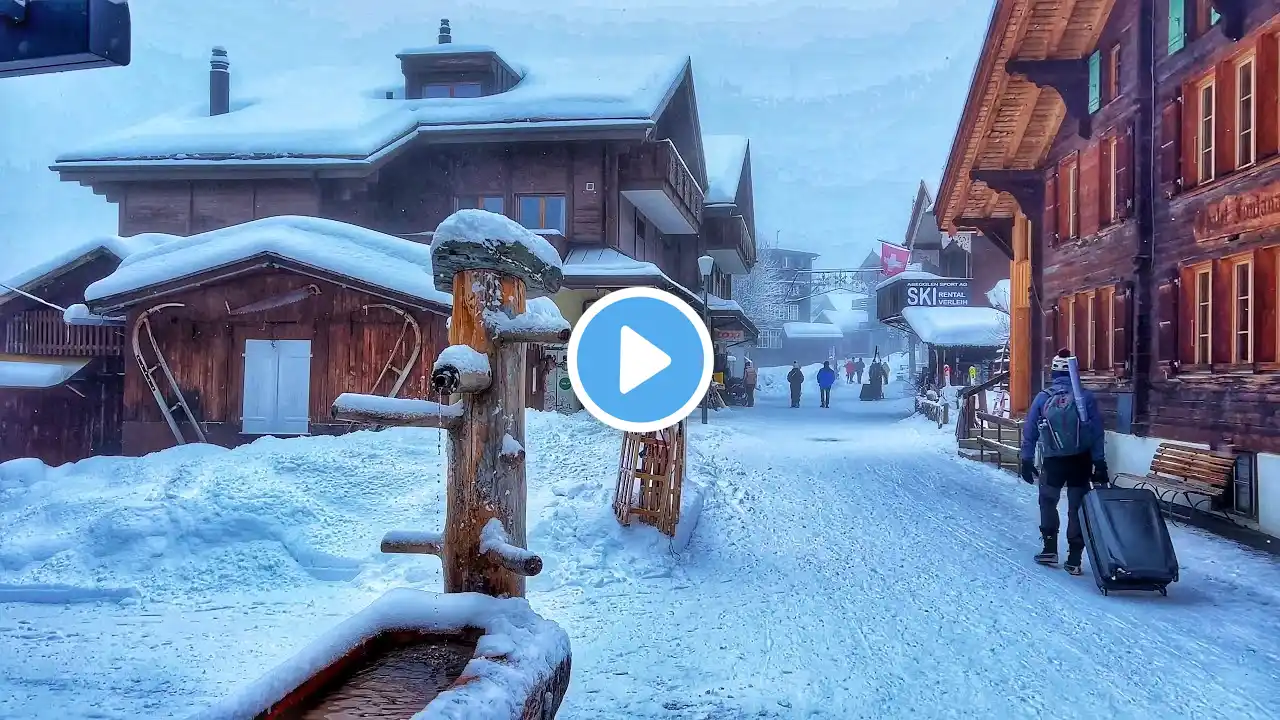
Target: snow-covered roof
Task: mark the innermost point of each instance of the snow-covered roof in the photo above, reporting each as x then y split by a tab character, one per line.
847	320
725	155
120	247
716	303
908	275
999	295
954	326
33	373
343	115
811	330
603	262
375	259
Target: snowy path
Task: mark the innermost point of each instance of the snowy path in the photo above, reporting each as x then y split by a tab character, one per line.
847	565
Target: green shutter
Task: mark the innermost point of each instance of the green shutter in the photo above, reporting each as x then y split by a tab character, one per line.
1095	81
1214	17
1177	25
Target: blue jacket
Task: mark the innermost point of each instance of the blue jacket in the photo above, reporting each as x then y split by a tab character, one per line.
826	377
1031	430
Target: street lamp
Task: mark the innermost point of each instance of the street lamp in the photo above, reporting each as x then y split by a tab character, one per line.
706	264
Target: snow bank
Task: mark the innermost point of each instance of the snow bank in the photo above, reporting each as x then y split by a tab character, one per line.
848	321
772	381
725	155
31	375
517	649
953	326
342	114
492	230
382	261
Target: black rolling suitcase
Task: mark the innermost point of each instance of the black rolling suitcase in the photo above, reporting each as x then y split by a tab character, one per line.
1128	541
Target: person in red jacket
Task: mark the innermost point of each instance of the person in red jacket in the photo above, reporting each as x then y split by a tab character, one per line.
848	370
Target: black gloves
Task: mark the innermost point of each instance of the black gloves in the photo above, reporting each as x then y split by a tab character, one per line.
1029	472
1101	477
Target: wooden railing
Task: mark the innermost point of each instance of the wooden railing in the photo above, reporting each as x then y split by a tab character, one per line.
44	332
661	163
935	410
997	440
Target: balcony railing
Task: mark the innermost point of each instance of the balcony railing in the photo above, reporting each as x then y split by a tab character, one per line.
44	332
658	182
730	242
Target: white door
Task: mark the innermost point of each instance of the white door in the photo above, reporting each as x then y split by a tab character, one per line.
277	387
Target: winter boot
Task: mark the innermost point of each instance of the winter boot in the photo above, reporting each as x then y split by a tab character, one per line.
1072	565
1049	555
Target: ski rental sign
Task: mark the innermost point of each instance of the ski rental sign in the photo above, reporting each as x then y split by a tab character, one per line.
938	293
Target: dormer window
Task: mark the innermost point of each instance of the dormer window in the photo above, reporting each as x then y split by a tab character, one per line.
452	90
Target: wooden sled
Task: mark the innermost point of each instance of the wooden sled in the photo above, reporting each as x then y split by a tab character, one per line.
650	476
411	651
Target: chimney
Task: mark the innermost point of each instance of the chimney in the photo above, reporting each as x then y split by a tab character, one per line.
446	35
219	82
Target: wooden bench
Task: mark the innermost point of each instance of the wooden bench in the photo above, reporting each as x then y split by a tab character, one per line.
1186	471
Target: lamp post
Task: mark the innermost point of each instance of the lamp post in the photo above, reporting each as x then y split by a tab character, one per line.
706	264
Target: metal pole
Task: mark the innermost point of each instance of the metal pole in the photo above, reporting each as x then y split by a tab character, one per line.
706	319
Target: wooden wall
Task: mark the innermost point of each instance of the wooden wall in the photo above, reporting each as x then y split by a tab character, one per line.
188	207
204	347
58	426
1100	255
1219	403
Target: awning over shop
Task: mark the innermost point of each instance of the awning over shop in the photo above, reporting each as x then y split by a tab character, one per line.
729	322
608	269
958	326
35	372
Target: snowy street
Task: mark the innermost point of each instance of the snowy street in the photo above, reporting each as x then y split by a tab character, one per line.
846	565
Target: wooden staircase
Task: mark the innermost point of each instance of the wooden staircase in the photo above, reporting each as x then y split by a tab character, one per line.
984	436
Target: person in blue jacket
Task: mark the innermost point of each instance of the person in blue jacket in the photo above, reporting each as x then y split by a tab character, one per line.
1073	457
826	378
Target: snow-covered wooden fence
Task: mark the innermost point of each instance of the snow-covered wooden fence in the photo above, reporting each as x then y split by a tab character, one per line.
934	409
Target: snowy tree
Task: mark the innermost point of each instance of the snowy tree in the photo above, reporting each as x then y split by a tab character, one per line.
765	293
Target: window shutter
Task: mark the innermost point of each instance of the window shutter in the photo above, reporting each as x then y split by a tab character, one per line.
293	396
1177	25
1265	325
1167	313
1190	120
1267	102
1087	194
1120	333
1224	119
1065	320
1186	352
1222	339
1124	174
1095	81
1081	321
1106	181
1101	303
1051	333
1064	196
1214	16
1050	220
1170	146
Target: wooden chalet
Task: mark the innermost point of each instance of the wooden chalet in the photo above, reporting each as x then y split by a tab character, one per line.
609	166
61	385
1125	153
257	328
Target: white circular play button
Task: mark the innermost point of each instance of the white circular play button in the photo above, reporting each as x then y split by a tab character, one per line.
640	359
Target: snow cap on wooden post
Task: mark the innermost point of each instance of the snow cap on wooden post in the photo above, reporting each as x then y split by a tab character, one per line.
461	369
480	240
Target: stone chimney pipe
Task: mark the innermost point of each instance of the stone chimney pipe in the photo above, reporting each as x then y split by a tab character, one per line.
446	34
219	82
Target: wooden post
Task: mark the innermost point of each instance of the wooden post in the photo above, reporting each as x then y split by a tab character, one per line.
490	264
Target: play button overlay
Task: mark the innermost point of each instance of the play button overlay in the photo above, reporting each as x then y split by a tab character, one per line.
640	359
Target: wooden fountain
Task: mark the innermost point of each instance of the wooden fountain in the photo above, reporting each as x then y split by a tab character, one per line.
478	650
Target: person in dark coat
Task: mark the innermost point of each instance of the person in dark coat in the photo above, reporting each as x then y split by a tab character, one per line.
826	378
858	367
1076	467
795	378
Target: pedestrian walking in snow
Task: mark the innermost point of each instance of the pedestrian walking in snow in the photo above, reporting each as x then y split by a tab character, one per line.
749	378
848	370
858	367
795	378
1073	455
826	378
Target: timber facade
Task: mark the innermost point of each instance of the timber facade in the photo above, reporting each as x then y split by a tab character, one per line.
1131	148
631	190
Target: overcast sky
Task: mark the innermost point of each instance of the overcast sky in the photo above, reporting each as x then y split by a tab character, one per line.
848	103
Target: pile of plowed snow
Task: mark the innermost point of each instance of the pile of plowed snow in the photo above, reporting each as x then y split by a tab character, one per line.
281	513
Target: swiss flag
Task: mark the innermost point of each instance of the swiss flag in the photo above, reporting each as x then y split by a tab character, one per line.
893	259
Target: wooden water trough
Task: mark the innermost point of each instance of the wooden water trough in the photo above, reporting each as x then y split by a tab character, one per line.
477	651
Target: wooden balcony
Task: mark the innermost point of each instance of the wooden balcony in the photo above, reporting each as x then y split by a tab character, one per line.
729	241
44	332
656	180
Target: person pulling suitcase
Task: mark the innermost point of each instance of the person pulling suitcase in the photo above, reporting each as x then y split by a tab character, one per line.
1072	445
